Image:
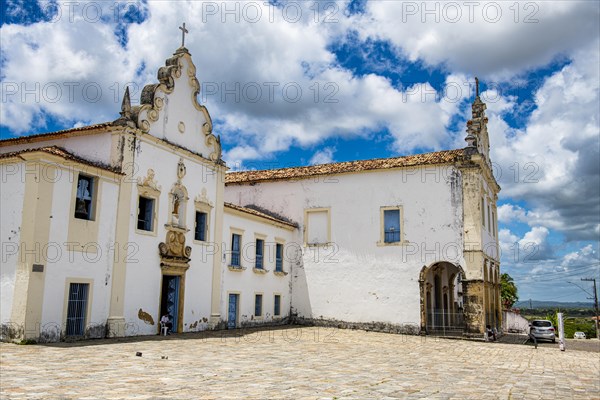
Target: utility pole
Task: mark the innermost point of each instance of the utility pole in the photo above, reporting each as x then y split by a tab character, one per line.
595	298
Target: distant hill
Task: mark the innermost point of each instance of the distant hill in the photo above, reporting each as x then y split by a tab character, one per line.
553	304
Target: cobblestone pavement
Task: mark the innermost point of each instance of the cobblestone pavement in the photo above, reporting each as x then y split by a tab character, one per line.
296	363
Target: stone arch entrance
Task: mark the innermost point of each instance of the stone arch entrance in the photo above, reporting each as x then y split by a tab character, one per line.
442	299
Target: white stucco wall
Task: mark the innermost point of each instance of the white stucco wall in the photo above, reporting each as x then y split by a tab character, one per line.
143	271
248	283
354	279
11	214
93	265
92	147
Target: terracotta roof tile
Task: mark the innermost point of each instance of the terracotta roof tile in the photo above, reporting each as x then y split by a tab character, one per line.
52	135
261	214
438	157
60	152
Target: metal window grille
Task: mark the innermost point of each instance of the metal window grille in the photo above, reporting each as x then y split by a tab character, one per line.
77	308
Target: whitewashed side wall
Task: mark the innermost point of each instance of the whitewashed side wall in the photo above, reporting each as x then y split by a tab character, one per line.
248	283
96	147
355	279
143	274
93	265
514	323
11	214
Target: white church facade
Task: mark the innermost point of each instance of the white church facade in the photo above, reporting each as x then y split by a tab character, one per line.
106	228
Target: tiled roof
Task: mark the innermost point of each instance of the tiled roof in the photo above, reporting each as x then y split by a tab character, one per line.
60	152
438	157
252	211
52	135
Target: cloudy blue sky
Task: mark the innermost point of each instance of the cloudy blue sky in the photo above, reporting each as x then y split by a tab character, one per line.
306	82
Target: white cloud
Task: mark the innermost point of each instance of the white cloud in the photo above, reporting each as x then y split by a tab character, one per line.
534	245
475	38
509	212
552	163
323	156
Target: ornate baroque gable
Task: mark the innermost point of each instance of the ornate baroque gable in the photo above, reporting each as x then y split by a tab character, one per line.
170	110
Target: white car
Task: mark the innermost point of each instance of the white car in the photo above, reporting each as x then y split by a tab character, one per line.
579	335
542	329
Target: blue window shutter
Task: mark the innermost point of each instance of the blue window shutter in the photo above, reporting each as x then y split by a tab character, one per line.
260	244
391	221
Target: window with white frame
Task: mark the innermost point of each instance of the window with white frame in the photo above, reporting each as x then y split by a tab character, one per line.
258	257
201	226
258	298
277	305
278	257
391	226
317	230
236	242
84	197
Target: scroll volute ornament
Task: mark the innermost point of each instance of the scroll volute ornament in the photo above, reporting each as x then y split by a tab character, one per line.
175	247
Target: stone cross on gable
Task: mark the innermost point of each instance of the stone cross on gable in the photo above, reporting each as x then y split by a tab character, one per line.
183	32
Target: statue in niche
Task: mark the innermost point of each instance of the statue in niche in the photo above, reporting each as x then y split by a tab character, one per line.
175	212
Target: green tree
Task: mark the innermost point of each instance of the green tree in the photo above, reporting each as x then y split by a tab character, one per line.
508	291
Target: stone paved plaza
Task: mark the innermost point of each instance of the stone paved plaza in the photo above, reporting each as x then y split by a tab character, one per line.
296	363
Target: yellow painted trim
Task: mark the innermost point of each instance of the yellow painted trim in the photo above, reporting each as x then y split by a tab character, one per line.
307	211
28	295
216	288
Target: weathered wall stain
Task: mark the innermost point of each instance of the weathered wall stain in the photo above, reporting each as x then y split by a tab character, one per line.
144	316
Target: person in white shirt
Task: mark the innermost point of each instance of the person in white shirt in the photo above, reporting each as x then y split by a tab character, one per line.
166	321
